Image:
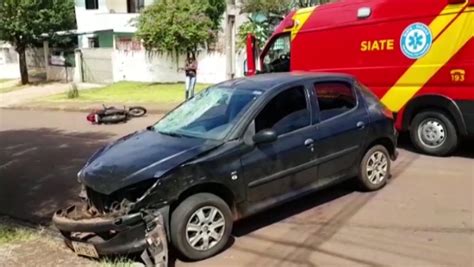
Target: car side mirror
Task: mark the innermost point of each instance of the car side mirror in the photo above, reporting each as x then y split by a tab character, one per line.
265	136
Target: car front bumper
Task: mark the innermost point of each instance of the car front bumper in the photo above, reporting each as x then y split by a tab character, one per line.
142	232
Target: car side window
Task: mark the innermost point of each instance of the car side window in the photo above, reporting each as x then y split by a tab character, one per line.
334	98
286	112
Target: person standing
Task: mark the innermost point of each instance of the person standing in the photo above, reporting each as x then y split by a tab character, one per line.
191	72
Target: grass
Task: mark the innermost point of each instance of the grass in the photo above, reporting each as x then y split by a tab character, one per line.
10	234
11	88
5	80
116	262
130	92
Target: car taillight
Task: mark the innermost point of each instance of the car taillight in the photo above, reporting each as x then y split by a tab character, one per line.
387	112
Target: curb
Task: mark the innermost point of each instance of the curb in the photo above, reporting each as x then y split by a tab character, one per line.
73	109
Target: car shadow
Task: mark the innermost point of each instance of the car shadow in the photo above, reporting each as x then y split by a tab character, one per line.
299	205
38	170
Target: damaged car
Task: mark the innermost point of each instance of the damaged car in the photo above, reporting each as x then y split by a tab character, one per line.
233	150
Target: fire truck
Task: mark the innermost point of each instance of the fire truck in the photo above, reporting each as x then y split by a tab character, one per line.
417	56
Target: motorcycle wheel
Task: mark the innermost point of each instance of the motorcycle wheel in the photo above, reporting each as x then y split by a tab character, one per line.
137	111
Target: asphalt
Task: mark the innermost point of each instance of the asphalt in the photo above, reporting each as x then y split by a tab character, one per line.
423	217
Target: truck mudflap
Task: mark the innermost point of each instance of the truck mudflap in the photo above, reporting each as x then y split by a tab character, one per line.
102	235
156	253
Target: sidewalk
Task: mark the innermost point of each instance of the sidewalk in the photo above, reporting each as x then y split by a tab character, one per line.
152	108
22	96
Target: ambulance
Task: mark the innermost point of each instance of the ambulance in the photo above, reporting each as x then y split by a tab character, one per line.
417	56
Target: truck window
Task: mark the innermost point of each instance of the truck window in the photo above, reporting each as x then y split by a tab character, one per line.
277	58
334	98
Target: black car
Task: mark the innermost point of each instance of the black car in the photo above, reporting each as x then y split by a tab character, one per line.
235	149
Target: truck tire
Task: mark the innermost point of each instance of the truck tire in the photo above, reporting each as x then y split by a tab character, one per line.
374	169
433	133
201	226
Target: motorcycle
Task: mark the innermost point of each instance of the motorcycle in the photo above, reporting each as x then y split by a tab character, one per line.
109	115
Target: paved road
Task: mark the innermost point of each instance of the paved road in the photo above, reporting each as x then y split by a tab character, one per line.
424	217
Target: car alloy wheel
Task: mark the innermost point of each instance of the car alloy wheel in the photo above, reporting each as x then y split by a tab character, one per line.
377	167
205	228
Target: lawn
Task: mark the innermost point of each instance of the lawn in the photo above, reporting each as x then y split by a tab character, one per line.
10	234
10	88
4	80
130	92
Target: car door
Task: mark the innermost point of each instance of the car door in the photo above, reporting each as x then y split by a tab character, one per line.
341	129
274	169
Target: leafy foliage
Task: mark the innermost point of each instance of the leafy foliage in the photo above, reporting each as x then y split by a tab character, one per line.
179	26
264	15
23	21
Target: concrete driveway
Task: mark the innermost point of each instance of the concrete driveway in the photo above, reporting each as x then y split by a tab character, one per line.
424	217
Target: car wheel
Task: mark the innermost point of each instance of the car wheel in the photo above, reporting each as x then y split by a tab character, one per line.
434	133
201	226
374	169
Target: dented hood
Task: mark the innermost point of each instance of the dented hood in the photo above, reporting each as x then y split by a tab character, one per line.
139	157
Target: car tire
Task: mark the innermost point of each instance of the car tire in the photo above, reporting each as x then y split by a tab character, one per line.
196	210
433	133
374	169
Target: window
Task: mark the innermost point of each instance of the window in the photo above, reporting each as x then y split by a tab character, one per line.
92	4
135	6
286	112
334	99
277	58
93	42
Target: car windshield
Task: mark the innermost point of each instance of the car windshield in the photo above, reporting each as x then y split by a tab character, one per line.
211	114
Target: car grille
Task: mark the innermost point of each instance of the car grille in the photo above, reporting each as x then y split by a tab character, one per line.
97	200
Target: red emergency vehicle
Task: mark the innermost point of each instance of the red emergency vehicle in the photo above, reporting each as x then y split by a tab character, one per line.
417	56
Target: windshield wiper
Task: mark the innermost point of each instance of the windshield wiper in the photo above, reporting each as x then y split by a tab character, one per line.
171	134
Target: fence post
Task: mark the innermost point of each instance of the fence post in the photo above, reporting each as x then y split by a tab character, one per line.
46	58
78	77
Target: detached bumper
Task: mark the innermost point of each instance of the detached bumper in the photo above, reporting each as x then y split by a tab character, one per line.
142	232
109	235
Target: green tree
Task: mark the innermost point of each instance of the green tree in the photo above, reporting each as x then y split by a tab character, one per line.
22	22
179	26
264	15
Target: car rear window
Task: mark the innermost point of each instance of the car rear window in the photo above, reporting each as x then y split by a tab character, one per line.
334	98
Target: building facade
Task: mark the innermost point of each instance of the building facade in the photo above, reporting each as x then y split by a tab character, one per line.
109	25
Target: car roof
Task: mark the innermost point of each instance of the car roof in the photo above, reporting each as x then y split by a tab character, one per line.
270	81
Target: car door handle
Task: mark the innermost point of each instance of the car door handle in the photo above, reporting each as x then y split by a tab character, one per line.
360	125
309	142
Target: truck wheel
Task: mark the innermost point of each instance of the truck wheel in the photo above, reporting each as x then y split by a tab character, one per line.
201	226
374	169
434	133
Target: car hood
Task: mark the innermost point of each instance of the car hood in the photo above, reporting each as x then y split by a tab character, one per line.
139	157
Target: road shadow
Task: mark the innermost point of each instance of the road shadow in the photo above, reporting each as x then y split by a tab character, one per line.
38	170
464	150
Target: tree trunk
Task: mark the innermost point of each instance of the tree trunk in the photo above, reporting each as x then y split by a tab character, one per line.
23	67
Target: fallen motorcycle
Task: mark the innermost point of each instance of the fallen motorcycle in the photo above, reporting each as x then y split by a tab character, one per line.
110	115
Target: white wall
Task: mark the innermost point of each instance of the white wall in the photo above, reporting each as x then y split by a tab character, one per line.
9	71
90	20
145	67
57	73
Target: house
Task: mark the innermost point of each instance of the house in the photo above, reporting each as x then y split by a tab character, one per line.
105	33
101	22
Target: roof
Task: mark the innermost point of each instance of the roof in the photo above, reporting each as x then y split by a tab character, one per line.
270	81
